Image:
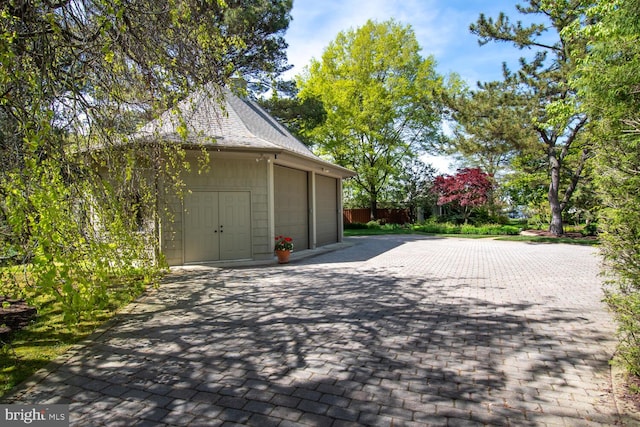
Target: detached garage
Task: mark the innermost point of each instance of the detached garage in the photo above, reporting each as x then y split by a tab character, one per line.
260	182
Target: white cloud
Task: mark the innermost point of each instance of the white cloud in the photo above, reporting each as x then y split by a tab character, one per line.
445	165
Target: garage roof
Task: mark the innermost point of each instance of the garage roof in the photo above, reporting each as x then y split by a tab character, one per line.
224	120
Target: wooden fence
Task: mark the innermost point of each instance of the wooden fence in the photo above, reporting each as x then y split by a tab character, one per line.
385	216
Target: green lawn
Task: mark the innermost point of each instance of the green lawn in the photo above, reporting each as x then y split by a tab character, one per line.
447	230
537	239
49	335
371	232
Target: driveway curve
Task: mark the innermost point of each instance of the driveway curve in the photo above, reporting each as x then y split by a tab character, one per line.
390	331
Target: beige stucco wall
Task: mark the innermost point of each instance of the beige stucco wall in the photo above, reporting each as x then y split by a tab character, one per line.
224	172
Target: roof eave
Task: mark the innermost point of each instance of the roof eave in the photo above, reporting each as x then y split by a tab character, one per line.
318	165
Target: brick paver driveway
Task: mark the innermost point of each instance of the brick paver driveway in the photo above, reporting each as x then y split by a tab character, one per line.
395	330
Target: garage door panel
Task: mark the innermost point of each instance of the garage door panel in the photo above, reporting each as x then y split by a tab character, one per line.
235	225
327	210
292	205
201	222
217	226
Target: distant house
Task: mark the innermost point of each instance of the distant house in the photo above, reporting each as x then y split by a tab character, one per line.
261	182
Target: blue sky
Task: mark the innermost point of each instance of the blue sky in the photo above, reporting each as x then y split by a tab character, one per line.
441	27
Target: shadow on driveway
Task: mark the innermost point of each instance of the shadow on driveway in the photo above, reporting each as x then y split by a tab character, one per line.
310	345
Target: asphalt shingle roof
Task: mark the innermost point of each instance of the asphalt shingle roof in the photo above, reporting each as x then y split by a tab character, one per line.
225	121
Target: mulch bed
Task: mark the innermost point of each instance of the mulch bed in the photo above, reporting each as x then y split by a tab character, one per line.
631	394
14	315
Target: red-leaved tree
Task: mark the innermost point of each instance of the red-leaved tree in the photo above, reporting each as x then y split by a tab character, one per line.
469	188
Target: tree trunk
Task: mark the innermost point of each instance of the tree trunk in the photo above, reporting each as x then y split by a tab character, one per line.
412	211
466	213
555	226
374	209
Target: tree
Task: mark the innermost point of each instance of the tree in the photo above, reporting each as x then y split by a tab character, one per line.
377	92
487	131
609	85
543	104
525	188
76	78
298	115
412	187
468	189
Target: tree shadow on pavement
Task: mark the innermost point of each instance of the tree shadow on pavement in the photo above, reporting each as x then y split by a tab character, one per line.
313	346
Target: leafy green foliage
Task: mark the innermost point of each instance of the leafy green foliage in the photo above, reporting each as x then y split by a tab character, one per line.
378	95
486	229
608	82
78	192
410	189
68	258
433	227
590	229
533	112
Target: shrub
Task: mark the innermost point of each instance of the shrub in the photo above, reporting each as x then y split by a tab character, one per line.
501	219
590	229
438	228
626	306
487	229
620	249
392	227
374	225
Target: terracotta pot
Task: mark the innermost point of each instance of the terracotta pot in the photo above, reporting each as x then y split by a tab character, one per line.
283	256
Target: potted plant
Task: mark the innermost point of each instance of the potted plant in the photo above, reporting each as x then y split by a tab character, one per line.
284	246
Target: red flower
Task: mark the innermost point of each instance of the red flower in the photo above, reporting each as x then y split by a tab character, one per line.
284	243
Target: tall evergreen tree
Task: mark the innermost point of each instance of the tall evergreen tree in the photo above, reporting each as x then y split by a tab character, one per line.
487	129
299	115
543	107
